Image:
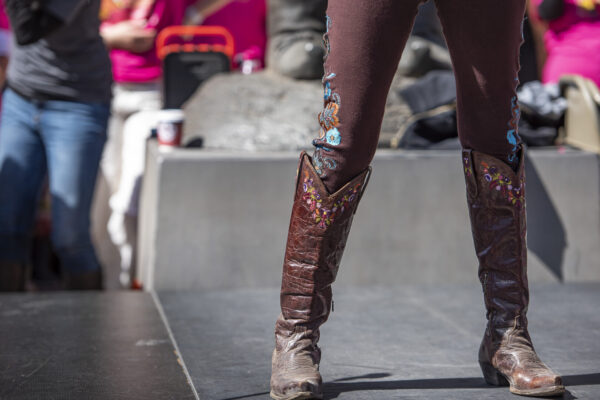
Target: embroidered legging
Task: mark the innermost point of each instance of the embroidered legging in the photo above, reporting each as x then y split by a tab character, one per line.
364	42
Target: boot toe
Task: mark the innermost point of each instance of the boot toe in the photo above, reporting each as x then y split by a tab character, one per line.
296	390
538	385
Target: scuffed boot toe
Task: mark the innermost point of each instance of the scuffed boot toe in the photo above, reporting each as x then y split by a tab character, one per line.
296	390
295	374
538	386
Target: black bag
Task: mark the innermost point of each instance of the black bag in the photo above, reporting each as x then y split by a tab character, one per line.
432	101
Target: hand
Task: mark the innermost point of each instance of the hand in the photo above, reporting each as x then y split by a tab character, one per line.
129	35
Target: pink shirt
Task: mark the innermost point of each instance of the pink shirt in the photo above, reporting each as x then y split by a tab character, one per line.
246	20
573	44
141	67
4	22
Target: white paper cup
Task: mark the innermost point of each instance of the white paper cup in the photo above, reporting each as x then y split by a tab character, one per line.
170	127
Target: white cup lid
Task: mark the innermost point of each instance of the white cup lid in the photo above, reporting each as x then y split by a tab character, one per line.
172	116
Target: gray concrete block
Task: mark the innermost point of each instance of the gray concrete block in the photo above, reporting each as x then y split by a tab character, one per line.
219	219
281	116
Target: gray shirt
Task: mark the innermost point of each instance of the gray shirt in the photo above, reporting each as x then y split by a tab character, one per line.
69	64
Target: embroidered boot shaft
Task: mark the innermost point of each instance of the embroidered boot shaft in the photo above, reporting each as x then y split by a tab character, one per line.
496	199
317	235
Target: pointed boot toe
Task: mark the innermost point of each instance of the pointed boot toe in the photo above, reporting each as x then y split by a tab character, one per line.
298	389
541	385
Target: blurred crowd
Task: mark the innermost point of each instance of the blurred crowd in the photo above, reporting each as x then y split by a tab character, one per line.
83	84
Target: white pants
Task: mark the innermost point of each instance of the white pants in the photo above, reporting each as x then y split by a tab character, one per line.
133	117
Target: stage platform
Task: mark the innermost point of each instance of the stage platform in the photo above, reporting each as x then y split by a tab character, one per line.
401	342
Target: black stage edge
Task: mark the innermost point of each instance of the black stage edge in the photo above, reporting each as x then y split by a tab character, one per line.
107	346
384	343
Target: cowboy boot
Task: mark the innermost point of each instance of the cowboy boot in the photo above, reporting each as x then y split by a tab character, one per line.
295	48
496	199
319	227
12	276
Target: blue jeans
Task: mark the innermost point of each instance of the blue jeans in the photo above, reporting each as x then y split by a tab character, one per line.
63	140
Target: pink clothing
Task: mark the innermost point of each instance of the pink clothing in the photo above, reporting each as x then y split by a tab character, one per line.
141	67
246	20
573	44
4	22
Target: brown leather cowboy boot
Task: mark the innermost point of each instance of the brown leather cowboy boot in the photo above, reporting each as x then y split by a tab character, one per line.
496	198
319	227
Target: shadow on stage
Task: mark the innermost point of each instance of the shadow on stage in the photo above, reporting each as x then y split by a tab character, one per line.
333	389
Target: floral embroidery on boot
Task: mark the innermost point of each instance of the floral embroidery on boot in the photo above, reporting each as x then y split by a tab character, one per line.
324	216
503	184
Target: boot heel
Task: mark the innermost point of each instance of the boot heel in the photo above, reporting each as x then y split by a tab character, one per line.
492	376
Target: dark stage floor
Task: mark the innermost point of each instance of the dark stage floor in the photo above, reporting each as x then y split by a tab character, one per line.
380	343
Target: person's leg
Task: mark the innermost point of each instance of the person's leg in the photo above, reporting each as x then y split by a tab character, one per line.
110	164
22	170
484	39
124	202
364	41
74	135
121	148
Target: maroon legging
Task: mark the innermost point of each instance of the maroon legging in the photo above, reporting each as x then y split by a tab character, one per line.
364	42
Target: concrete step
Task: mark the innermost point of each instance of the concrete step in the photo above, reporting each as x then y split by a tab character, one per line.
219	220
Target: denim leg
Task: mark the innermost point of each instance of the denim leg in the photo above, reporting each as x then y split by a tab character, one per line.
22	171
74	134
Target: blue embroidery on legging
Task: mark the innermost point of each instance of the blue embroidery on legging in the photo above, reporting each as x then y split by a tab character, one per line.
513	129
513	125
328	119
320	161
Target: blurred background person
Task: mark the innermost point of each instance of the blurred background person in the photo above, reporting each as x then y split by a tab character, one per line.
296	31
129	29
571	37
54	118
246	21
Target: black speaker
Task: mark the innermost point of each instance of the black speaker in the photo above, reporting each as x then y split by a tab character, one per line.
184	72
